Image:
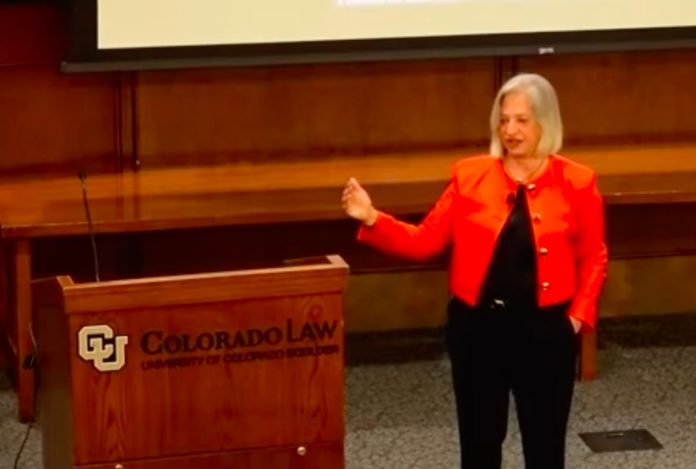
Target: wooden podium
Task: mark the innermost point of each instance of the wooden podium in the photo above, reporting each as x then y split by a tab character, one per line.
237	369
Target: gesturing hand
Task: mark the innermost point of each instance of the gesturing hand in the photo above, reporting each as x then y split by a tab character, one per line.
357	204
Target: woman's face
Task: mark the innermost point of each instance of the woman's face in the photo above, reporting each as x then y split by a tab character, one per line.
518	130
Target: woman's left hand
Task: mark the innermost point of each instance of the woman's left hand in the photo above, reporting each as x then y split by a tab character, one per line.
577	324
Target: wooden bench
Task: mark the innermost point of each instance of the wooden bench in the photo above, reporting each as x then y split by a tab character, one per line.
651	177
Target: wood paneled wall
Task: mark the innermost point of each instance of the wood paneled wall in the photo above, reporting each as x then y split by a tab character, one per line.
618	98
31	35
313	111
51	123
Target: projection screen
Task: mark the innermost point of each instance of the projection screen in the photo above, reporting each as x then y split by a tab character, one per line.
150	33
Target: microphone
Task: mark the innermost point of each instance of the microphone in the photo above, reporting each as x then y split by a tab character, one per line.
510	199
95	257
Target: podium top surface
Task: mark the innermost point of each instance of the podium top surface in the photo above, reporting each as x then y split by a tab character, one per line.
243	194
320	275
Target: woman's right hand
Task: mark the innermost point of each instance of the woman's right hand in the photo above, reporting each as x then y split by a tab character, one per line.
357	204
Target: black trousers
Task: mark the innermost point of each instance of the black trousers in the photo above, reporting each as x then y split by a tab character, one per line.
497	351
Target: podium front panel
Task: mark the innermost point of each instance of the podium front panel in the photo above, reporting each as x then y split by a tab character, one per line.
323	456
170	382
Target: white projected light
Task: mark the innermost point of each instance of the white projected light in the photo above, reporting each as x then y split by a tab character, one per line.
128	24
353	3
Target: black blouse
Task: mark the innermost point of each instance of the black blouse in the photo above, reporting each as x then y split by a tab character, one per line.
512	273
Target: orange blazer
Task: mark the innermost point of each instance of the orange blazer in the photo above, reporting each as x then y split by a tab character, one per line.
567	217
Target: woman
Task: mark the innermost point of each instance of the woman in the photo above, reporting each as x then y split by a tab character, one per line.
526	231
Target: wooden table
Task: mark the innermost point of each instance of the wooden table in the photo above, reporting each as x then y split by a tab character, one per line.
246	194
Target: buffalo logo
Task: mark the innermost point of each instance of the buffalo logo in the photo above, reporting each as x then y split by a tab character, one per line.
99	345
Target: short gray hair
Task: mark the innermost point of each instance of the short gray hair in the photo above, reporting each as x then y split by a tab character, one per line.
544	104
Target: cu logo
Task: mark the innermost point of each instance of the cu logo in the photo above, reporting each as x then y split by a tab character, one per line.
99	345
